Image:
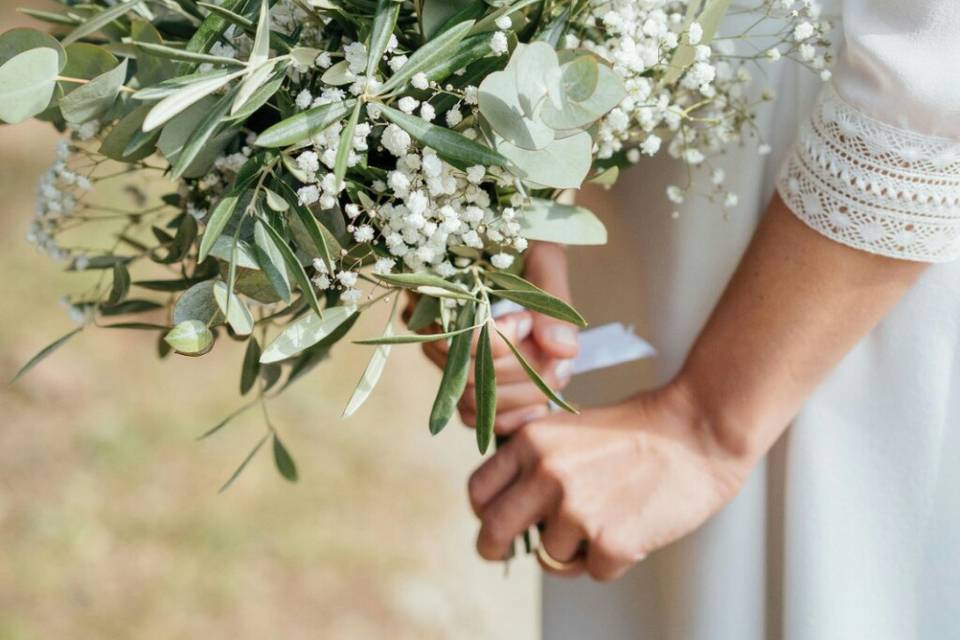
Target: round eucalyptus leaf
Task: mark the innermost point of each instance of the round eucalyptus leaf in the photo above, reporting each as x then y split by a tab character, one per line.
94	98
190	337
562	164
16	41
579	77
27	81
86	61
500	106
608	94
537	73
197	303
236	312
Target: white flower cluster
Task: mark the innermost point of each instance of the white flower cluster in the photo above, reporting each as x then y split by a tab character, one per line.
316	164
58	195
710	104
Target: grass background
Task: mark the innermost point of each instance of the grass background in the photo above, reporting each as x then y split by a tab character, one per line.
110	521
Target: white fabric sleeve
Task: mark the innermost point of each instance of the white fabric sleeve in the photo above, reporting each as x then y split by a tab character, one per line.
877	166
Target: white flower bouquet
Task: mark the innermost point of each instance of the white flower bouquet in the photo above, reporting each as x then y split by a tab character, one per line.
321	156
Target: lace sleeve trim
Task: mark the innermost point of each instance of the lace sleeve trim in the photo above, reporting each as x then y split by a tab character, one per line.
875	187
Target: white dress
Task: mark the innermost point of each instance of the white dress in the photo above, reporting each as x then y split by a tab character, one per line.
851	527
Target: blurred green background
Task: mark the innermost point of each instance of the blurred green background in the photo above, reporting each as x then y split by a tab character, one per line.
110	521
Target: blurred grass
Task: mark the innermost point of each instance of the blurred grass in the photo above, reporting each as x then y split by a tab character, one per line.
110	521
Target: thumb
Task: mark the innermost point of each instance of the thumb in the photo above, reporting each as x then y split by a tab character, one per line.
558	339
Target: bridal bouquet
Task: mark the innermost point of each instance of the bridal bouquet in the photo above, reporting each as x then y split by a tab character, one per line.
322	156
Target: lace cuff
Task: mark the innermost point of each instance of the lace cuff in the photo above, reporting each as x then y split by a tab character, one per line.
874	187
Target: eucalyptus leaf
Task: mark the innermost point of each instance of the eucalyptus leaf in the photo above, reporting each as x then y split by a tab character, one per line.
573	114
501	107
562	164
190	337
304	332
94	98
551	221
16	41
197	303
27	81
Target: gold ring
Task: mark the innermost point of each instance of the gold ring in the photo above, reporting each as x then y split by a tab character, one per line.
553	563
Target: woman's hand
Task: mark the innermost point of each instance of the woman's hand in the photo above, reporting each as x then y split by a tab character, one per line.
548	344
625	479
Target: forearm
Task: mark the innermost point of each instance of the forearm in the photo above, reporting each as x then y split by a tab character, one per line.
797	303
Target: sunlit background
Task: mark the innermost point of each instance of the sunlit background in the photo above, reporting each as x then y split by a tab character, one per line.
110	521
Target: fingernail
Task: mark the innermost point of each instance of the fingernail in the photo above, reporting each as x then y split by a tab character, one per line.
564	370
524	326
564	335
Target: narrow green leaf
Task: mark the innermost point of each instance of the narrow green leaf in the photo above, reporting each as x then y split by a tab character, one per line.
414	338
243	465
322	238
486	390
172	53
304	125
261	43
427	56
346	144
263	93
99	20
294	267
283	460
183	98
43	353
200	136
544	303
251	366
454	379
384	23
226	421
217	222
250	85
121	284
414	280
424	313
452	146
536	379
304	332
371	375
130	306
271	261
171	86
233	308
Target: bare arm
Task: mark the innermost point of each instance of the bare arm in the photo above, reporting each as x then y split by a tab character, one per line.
797	303
632	477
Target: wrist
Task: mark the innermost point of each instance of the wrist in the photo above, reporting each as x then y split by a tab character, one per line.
723	431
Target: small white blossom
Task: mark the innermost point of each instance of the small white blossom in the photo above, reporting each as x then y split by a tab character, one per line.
420	81
304	99
347	278
498	43
503	23
454	117
383	266
363	233
502	260
395	140
695	34
408	104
